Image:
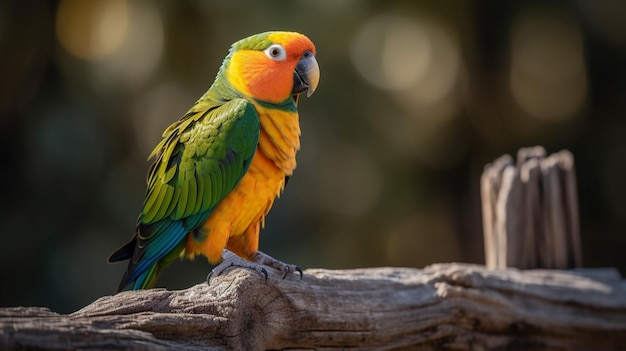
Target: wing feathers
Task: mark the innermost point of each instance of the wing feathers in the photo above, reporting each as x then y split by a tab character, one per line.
191	197
199	191
199	161
182	200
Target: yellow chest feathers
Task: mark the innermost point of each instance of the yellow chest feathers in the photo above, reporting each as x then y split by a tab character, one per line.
274	159
241	211
280	137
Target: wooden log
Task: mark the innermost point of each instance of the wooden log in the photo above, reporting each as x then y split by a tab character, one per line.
530	211
442	307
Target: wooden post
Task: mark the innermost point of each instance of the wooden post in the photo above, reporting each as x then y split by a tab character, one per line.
530	211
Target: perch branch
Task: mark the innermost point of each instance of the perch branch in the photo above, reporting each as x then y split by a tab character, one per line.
444	307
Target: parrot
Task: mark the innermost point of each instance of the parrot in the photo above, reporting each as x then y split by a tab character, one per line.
218	170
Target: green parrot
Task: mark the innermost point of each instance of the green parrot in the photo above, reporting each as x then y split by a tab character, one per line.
219	168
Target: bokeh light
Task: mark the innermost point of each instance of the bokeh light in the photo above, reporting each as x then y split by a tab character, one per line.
392	52
140	52
92	30
548	78
416	60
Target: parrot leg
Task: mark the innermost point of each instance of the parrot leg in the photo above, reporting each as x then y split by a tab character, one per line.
230	259
260	259
267	260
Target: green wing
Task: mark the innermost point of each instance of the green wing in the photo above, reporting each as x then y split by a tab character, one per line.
200	160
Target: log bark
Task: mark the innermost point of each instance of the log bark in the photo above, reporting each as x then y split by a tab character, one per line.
442	307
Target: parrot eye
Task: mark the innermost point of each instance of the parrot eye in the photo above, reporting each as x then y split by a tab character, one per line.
276	52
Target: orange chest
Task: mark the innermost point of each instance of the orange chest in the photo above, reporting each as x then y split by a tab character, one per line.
279	139
274	159
241	211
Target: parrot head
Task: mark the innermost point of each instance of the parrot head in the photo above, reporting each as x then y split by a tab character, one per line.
273	66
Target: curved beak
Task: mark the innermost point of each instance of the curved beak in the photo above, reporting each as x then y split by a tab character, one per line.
306	75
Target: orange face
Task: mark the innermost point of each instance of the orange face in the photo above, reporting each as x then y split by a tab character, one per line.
268	74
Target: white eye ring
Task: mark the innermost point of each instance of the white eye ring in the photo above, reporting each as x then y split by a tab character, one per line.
276	52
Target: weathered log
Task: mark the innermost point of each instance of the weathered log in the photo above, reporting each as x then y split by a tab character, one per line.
442	307
530	211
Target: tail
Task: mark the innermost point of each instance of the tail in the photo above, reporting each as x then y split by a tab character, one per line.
145	280
149	257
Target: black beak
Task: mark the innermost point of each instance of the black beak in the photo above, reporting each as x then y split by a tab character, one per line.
306	76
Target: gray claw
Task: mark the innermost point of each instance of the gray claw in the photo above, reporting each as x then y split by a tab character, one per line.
286	271
299	271
210	275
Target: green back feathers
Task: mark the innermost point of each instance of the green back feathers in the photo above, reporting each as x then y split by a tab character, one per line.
200	160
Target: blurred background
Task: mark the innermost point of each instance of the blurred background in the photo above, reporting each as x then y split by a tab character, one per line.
415	98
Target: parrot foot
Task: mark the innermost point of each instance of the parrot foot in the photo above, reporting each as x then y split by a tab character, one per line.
259	259
230	259
267	260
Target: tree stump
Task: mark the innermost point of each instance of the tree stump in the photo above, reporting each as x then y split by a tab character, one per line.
530	211
442	307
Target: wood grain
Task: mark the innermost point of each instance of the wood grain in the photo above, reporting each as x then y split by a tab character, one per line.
530	211
442	307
